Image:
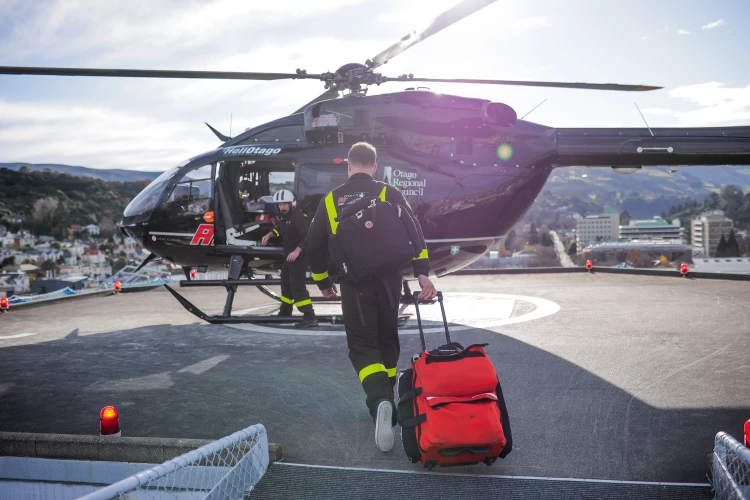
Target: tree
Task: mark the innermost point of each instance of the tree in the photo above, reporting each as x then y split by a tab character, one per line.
8	261
547	240
533	238
119	264
573	249
625	218
56	245
733	247
721	248
50	265
509	240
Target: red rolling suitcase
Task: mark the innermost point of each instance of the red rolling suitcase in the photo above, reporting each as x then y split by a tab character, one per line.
451	407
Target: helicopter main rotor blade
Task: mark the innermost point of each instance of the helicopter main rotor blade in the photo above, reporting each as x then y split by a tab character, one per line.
328	94
564	85
450	16
150	73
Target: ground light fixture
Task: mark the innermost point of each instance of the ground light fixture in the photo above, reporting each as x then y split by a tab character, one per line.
109	422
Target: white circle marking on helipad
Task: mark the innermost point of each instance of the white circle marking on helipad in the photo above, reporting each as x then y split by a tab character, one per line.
464	310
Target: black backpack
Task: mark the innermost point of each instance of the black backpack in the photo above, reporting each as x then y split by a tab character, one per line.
370	238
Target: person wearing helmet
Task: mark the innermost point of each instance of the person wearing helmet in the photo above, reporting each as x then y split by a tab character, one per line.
293	228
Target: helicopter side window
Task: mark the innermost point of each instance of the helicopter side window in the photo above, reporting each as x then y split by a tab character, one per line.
192	193
317	180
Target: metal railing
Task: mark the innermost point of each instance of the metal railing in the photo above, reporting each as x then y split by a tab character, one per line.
224	469
730	468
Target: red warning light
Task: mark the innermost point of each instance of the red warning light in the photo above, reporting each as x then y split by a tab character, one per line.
684	268
118	286
193	273
4	304
338	161
589	265
109	421
747	433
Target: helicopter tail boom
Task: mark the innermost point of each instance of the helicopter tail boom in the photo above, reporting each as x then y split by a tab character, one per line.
627	147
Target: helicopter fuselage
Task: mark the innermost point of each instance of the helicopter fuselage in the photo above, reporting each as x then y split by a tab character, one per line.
469	168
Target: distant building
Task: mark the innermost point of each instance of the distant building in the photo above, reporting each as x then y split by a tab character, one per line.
707	229
15	219
603	227
654	229
76	228
40	286
14	283
734	265
93	229
94	257
3	230
46	239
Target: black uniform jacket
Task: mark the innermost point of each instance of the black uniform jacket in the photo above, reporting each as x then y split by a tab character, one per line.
293	229
357	187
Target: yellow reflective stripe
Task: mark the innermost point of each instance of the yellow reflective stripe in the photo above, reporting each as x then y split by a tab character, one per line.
319	277
286	300
369	370
391	372
303	303
331	209
382	193
276	232
422	255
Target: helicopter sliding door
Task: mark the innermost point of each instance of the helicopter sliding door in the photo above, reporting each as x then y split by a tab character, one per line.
244	204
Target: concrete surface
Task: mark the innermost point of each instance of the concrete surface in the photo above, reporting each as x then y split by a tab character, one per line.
629	380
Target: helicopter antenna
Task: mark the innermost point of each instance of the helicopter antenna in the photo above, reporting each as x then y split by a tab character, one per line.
230	124
532	109
644	119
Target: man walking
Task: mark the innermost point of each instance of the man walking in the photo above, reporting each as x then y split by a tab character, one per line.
370	309
293	229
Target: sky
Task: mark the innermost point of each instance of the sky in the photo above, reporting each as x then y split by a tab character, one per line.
697	50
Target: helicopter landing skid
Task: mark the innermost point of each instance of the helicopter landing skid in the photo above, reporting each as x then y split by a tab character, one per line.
334	319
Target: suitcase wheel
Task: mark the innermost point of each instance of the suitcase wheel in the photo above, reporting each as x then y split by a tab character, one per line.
490	460
430	464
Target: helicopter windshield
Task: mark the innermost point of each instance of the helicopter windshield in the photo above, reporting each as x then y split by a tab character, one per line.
150	196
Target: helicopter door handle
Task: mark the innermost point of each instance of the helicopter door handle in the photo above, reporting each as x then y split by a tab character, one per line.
670	149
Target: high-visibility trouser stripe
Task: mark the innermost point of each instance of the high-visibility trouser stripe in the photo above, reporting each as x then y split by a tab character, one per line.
331	209
422	255
382	194
287	300
319	277
276	232
370	369
303	303
391	372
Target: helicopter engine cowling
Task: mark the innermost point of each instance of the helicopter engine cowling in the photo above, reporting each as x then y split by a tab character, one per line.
499	114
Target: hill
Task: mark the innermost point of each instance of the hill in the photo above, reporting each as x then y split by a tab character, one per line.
105	175
646	193
51	201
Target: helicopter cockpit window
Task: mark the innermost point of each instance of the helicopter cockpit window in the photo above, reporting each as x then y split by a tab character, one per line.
192	193
291	133
149	197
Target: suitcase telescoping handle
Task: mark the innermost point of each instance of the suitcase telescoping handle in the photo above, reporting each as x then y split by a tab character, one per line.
419	318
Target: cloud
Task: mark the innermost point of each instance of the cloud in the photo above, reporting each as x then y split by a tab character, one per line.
717	104
682	32
644	37
658	111
713	25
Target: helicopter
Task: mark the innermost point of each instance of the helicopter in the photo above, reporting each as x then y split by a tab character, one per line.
470	168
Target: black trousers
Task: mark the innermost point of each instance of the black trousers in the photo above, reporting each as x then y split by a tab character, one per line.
293	289
370	313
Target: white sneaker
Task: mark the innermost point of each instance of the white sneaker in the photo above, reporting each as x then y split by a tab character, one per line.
383	430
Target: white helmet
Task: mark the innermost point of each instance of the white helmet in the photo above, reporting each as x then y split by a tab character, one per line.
284	196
